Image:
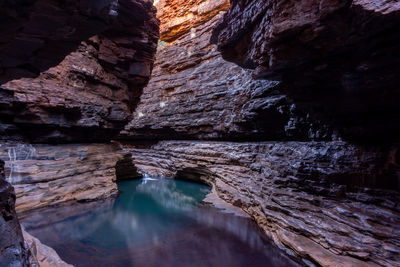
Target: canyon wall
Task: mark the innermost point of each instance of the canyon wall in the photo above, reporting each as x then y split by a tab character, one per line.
326	73
70	72
311	198
195	94
80	66
331	67
46	175
340	58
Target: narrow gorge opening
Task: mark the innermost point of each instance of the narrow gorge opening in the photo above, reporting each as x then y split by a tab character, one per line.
199	133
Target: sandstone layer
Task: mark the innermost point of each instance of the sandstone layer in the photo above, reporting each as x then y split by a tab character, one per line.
12	248
46	175
198	95
314	199
100	57
339	57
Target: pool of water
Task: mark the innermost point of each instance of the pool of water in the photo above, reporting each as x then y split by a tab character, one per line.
153	222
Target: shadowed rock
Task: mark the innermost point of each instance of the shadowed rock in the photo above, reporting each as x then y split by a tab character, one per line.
198	95
83	63
331	203
12	248
339	58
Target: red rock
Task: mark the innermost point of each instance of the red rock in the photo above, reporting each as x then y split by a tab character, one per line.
101	65
180	16
198	95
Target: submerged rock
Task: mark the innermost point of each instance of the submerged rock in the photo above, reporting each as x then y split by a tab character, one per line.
42	255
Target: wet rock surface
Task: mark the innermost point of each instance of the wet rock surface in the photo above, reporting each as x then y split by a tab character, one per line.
49	174
327	202
12	248
340	58
104	56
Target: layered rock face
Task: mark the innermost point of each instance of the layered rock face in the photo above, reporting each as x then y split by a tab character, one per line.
12	248
310	198
46	175
195	94
339	57
102	53
331	203
70	71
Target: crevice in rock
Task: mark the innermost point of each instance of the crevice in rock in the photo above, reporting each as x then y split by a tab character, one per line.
197	175
125	169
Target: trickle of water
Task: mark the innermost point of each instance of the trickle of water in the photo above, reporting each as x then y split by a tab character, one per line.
146	177
17	153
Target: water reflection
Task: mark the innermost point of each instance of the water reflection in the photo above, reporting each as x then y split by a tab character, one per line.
154	222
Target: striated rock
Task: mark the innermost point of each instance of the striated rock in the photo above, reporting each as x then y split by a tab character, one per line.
38	34
331	203
339	57
46	175
12	247
104	60
198	95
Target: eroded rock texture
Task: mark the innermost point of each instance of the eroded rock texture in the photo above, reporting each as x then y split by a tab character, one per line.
46	175
12	248
101	54
194	93
329	203
339	57
311	198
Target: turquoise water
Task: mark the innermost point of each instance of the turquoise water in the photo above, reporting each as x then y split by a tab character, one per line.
153	222
146	209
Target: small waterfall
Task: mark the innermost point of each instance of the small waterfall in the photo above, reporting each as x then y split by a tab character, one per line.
15	154
147	177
